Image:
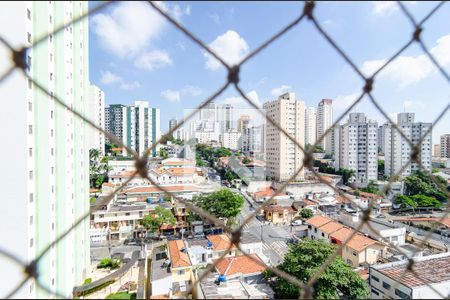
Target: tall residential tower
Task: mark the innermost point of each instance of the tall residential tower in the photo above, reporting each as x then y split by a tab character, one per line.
325	121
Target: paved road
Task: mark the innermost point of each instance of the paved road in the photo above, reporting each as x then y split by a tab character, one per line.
273	237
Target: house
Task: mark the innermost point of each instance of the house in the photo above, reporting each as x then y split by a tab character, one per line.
263	195
161	275
220	244
180	266
358	250
242	267
177	163
250	244
305	203
279	214
120	177
395	280
154	193
200	251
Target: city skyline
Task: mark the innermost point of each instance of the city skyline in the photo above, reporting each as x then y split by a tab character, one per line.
124	79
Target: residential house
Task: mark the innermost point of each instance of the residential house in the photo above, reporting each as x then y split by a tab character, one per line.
242	267
180	266
395	280
200	251
220	244
279	214
161	275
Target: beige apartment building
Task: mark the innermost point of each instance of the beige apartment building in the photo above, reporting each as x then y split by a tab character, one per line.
283	157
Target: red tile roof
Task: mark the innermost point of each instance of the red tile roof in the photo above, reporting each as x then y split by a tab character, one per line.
278	208
178	258
153	189
318	221
265	192
331	227
244	265
181	171
220	242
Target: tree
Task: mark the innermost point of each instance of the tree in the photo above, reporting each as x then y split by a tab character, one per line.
421	183
163	153
380	169
222	152
425	201
229	175
304	259
109	146
404	201
306	213
346	174
222	204
245	160
162	216
98	168
371	188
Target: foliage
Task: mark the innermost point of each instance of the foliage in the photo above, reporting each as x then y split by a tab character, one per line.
95	289
434	170
346	174
108	262
371	188
161	217
191	217
304	259
92	200
381	169
87	281
325	168
245	160
109	147
98	168
404	201
327	156
317	149
199	162
121	295
163	153
306	213
223	203
416	201
420	183
229	175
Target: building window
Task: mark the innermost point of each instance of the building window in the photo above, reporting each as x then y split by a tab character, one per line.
31	197
375	278
180	272
31	174
401	294
30	84
51	114
30	106
51	38
30	129
375	292
28	14
29	37
30	152
32	243
31	220
354	253
127	214
101	216
51	76
386	285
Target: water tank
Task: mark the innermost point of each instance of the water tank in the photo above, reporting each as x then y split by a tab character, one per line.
222	278
149	200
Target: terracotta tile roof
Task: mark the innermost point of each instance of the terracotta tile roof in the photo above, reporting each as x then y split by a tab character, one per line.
123	174
444	221
370	195
360	242
108	184
341	199
318	221
220	242
155	189
331	227
178	162
181	171
178	258
435	270
278	208
265	192
342	234
239	265
308	202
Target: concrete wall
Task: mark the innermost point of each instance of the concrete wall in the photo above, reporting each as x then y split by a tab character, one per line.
255	186
304	188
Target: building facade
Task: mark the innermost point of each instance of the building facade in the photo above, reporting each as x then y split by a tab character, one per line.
398	150
325	121
283	157
172	124
48	175
137	126
231	139
97	116
310	125
445	146
357	148
227	117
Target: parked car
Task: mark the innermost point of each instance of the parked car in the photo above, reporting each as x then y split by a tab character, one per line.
296	222
292	241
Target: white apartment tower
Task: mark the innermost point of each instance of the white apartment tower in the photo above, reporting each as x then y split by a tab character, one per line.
46	149
445	146
325	121
310	125
283	157
357	147
227	117
137	126
172	124
231	139
398	150
97	116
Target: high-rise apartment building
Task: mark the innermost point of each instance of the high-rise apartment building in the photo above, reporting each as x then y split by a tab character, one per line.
172	124
437	150
398	150
445	146
381	141
283	157
137	126
231	139
310	125
227	117
46	153
356	145
325	121
257	136
243	126
97	116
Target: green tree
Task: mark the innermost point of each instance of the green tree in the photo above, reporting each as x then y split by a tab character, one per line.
109	146
371	188
98	168
419	182
199	162
245	160
380	169
162	216
222	152
405	201
346	174
425	201
306	213
229	175
222	204
304	259
163	153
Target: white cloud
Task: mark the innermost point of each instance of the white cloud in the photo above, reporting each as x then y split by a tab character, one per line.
191	90
109	78
341	103
128	86
384	7
129	28
231	47
153	60
171	96
407	70
411	105
239	101
215	18
280	90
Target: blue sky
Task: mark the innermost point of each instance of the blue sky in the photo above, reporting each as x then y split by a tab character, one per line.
136	54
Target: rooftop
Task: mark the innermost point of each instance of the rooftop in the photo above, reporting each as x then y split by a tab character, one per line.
318	221
159	269
177	257
278	208
240	265
155	189
220	242
359	242
331	227
432	269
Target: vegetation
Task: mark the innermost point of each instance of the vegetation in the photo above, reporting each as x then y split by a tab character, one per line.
306	213
109	147
163	153
92	200
87	281
416	201
371	188
245	160
420	183
95	289
209	153
222	204
109	262
98	168
325	168
162	216
304	259
317	149
121	295
381	174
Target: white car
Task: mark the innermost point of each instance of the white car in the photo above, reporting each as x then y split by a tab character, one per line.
296	223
